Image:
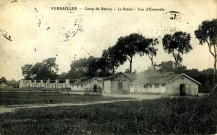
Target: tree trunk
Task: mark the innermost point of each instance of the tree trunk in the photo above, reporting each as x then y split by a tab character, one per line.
152	61
113	69
215	57
176	64
50	72
176	59
131	60
214	71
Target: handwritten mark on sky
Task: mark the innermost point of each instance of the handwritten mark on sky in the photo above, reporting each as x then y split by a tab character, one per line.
6	35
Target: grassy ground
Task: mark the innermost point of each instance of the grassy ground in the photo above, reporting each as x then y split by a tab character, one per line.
159	116
16	98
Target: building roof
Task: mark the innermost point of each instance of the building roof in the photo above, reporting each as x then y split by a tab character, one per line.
130	76
81	81
3	84
159	78
183	74
85	80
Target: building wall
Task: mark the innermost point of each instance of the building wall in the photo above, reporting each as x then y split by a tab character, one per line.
173	88
77	87
3	85
132	88
62	85
90	86
107	86
24	83
156	88
150	89
42	84
115	87
52	85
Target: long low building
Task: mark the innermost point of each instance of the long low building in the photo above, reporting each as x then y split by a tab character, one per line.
151	83
87	84
3	85
118	83
126	83
45	84
165	83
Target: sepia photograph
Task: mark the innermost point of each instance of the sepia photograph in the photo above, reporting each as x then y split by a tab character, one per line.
99	67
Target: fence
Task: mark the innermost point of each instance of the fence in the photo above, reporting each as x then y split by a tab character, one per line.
45	84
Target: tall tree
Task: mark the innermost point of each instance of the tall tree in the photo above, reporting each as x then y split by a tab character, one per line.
62	76
83	66
207	34
152	51
3	80
78	68
92	66
128	46
113	58
27	71
51	65
79	65
148	48
41	70
104	66
177	44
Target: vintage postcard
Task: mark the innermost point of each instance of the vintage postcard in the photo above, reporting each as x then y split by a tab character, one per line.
108	67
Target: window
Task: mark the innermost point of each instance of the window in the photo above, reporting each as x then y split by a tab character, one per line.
120	85
81	85
145	86
150	86
163	85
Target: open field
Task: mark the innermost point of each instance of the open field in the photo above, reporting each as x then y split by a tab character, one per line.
20	98
163	115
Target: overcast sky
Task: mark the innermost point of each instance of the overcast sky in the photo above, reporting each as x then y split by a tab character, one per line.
38	32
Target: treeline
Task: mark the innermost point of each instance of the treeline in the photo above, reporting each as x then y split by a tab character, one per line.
47	69
13	83
125	49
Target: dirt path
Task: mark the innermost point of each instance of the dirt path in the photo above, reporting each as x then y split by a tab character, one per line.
12	108
136	96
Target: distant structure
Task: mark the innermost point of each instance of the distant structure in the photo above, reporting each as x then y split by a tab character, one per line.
125	83
3	85
165	83
87	84
118	83
45	84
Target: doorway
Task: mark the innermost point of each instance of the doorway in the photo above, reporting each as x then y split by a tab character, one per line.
182	89
95	88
